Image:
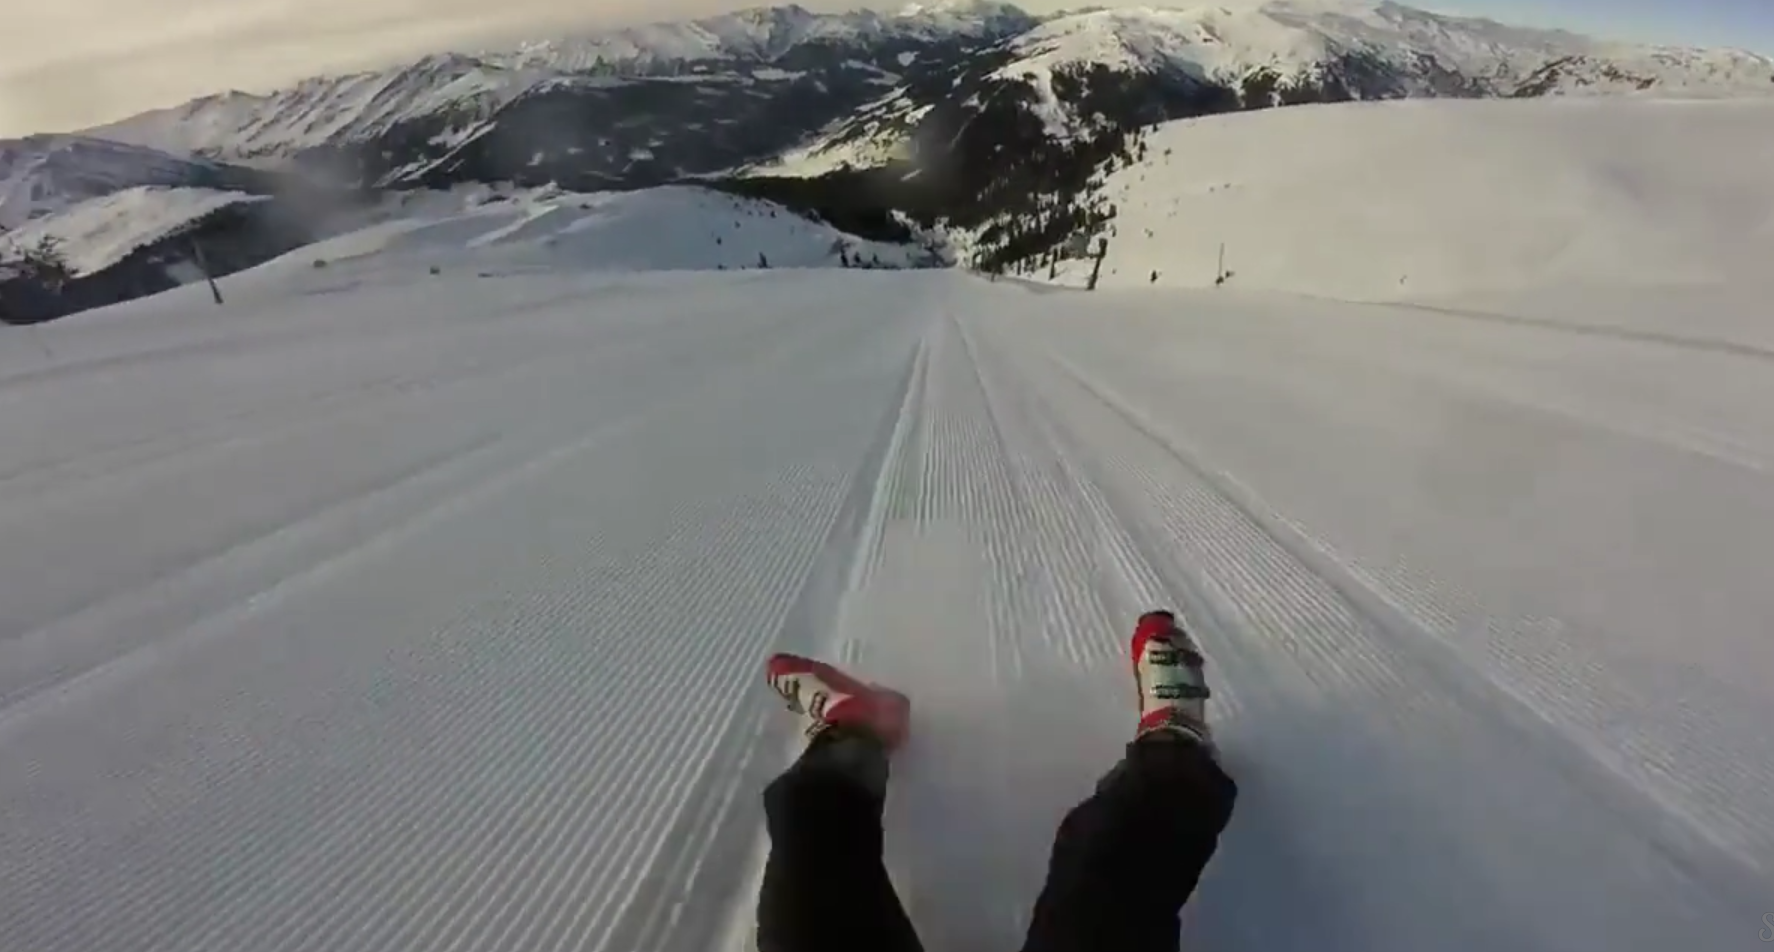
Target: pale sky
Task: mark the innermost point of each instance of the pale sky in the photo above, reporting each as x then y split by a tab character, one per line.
66	64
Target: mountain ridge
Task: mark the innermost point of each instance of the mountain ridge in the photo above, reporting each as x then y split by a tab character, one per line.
449	94
972	117
325	111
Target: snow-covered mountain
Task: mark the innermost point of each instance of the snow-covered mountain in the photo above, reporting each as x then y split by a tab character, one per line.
765	35
143	240
127	220
1664	71
1406	50
395	122
966	116
99	232
45	174
1370	49
1005	144
801	92
325	110
1212	58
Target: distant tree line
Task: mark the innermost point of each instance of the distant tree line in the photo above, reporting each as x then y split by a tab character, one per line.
43	262
989	162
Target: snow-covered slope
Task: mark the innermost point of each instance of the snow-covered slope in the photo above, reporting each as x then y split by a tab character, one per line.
41	175
409	612
1407	199
677	228
99	232
479	229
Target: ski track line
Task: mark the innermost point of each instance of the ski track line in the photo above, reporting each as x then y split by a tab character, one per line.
257	329
1047	626
570	369
808	620
1708	345
1292	546
241	336
544	791
294	872
1080	599
255	425
1569	694
273	409
1572	694
852	540
739	659
1670	835
1021	555
849	558
858	537
1454	377
985	545
630	722
212	571
997	509
1247	643
1336	593
749	658
1131	573
1662	752
211	347
43	697
721	741
236	429
902	479
318	574
1124	578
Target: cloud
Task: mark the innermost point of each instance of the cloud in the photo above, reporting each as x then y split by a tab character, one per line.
71	63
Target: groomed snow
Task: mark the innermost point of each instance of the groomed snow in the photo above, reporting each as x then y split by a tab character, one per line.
1421	199
385	610
99	232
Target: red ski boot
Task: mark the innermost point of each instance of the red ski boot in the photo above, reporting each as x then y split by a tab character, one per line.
1167	669
827	697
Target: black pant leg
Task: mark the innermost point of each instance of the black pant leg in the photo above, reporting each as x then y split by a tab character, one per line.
1126	860
825	887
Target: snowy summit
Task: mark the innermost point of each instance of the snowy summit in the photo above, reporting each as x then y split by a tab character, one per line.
1297	38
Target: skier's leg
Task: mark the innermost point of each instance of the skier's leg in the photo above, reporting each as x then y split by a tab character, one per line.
1125	860
825	886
